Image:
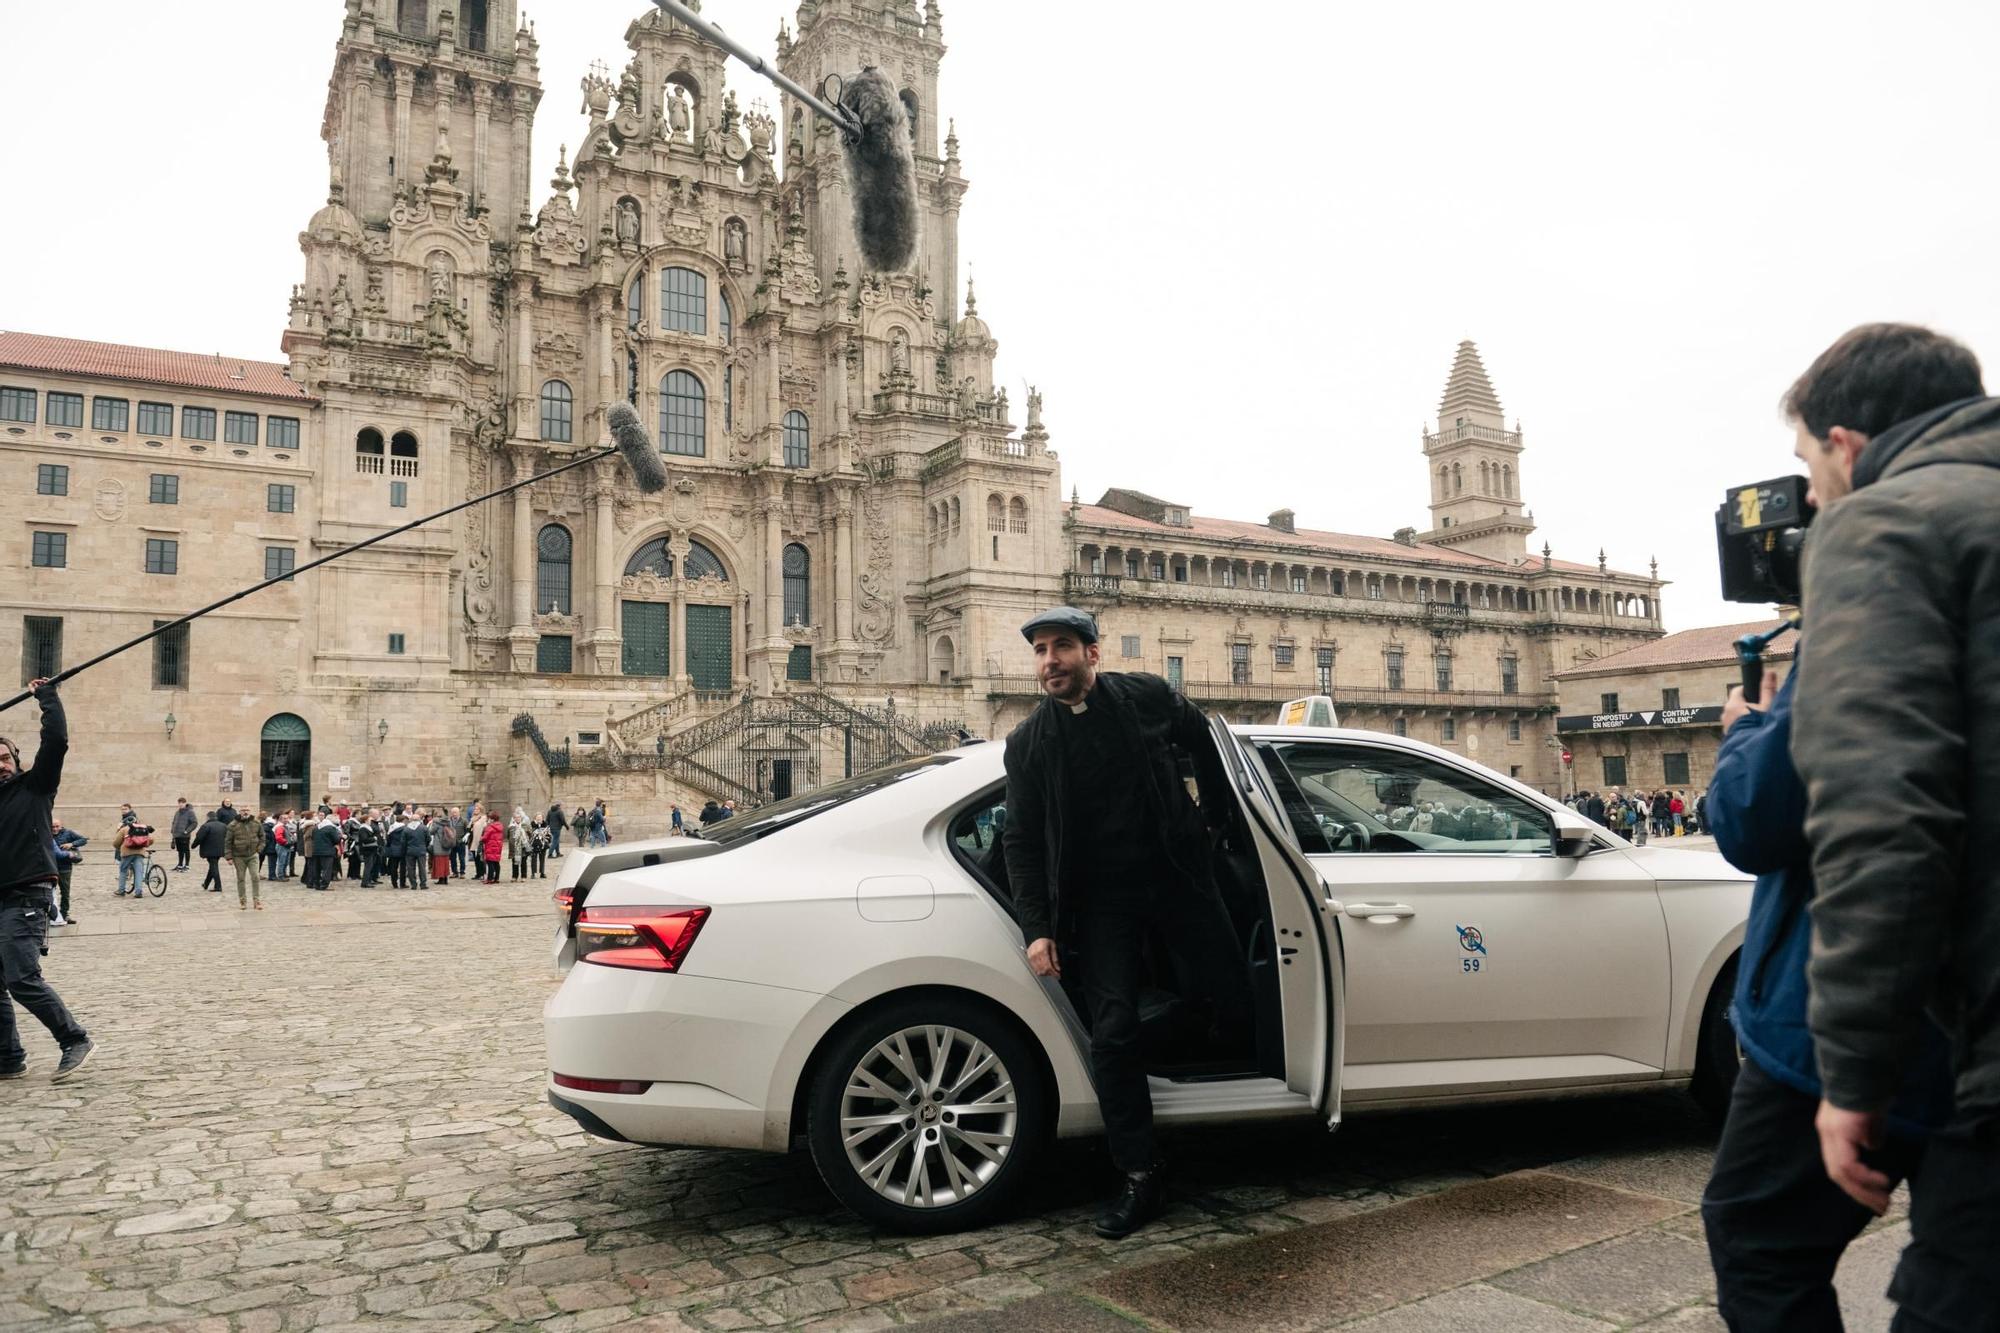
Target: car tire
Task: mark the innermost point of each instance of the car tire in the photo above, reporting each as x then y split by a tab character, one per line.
929	1159
1717	1059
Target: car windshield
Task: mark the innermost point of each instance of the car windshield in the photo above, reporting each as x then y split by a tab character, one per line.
781	814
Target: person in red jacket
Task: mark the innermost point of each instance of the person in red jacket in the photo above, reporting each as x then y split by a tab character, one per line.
491	844
1678	808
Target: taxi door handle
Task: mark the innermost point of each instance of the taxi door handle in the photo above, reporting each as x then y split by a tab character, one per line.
1381	912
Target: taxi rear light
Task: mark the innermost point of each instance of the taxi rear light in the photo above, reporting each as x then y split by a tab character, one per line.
630	1087
647	939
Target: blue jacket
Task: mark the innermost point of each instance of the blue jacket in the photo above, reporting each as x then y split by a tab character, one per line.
1757	810
69	846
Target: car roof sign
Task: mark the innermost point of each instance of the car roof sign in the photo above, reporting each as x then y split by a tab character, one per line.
1314	710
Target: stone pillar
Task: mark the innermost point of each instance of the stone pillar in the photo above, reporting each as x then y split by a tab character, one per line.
843	570
774	409
774	573
519	159
482	111
405	85
606	379
525	406
604	635
521	635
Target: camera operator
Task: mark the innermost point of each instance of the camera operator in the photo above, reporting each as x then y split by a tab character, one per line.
1898	735
27	874
1776	1224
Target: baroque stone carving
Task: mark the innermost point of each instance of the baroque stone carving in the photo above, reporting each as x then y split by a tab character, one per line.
108	500
876	621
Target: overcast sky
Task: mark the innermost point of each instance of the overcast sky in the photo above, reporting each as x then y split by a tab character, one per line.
1236	260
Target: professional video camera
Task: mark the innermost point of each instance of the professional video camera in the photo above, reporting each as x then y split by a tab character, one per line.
1760	536
1760	531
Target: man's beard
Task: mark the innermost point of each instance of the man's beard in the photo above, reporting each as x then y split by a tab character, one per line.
1075	685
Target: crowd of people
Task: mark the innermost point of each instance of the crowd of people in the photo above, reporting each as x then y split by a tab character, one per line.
1636	815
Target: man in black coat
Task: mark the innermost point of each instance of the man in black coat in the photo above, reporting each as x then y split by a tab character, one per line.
182	829
1106	848
210	841
27	875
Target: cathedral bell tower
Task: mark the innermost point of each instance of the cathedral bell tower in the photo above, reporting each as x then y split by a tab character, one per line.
1474	463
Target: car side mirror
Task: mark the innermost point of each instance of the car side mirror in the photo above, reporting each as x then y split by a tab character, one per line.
1575	835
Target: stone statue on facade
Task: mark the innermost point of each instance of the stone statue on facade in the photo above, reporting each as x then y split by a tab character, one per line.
899	354
1034	408
763	132
440	277
628	222
680	114
342	302
968	397
735	241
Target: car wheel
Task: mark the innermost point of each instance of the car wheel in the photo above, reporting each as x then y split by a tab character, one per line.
928	1114
1718	1059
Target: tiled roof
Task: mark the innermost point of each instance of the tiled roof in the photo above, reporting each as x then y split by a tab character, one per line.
148	365
1709	645
1309	539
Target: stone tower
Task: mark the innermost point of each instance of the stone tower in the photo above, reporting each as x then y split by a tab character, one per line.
1474	463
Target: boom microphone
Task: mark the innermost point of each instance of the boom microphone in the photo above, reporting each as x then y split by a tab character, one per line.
649	473
884	168
875	133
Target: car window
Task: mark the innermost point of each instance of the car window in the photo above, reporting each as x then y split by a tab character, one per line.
769	819
1363	798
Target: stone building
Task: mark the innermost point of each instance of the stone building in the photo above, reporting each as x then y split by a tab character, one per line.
1651	716
855	525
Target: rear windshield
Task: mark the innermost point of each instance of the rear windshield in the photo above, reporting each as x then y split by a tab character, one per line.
753	824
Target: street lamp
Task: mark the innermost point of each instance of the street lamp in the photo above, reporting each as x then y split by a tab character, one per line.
382	731
171	723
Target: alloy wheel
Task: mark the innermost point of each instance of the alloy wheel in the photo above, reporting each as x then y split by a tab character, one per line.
928	1116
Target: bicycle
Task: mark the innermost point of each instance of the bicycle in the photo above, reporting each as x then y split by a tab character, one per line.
156	876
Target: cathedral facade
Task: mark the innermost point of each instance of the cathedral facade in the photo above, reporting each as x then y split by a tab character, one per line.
855	525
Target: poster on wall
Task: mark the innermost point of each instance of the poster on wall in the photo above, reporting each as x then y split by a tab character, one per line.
230	778
340	779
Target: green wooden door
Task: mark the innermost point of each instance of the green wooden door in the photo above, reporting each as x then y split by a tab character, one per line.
708	649
645	628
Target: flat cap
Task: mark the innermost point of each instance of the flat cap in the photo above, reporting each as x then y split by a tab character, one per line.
1080	623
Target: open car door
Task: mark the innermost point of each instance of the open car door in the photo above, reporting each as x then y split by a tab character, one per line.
1312	964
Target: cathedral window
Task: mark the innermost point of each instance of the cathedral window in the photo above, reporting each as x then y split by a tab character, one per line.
473	34
703	563
1457	478
553	547
996	514
556	407
798	585
368	451
683	301
728	399
652	558
798	440
411	17
1017	517
281	432
727	314
683	415
635	302
403	454
910	111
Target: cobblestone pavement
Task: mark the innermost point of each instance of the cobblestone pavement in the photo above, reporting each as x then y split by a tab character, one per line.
331	1114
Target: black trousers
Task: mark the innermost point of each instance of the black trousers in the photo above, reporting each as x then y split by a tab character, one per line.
181	849
214	875
1110	957
63	871
413	871
24	931
1776	1225
1944	1281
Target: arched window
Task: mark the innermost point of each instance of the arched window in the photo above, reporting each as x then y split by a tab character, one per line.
473	38
910	110
728	313
955	512
683	415
635	302
703	563
798	440
411	20
556	403
1457	478
931	521
1017	515
683	301
1444	482
403	454
996	514
1507	480
1485	487
552	564
798	585
652	558
368	451
728	399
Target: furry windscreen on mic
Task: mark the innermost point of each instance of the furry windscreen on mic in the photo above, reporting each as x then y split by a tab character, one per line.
649	471
884	167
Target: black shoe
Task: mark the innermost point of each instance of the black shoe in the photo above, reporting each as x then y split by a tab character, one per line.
1145	1193
17	1071
72	1060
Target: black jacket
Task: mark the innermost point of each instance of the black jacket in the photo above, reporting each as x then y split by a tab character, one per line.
185	822
27	803
211	839
1898	740
1157	722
